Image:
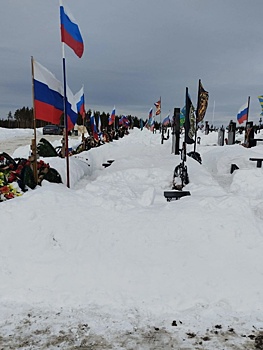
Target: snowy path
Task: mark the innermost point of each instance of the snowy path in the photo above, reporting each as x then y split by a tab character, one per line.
151	275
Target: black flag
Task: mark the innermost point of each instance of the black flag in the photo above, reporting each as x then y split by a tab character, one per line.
202	103
190	121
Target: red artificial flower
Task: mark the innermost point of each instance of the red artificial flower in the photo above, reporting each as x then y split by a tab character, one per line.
9	195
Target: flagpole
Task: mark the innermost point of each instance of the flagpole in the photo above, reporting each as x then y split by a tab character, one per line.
65	108
34	141
83	120
213	112
114	123
197	113
246	127
83	116
248	104
160	114
186	112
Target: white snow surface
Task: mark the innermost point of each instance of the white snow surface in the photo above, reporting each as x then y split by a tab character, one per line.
110	264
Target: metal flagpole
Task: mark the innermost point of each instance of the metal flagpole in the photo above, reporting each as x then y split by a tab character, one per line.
197	113
160	114
213	112
83	121
248	104
65	114
34	141
65	109
114	123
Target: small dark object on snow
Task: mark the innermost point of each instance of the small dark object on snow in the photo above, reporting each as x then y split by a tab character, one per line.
174	324
106	165
169	195
233	168
206	338
191	335
258	160
196	156
109	162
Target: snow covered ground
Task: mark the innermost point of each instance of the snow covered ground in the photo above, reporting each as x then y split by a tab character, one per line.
110	264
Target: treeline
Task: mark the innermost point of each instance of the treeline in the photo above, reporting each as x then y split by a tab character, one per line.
23	118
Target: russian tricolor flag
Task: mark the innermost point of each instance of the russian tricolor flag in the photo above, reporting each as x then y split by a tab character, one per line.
79	97
94	126
242	115
72	113
124	120
70	33
166	120
48	95
112	117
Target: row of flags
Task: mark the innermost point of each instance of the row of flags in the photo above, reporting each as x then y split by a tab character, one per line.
51	97
49	91
96	127
189	116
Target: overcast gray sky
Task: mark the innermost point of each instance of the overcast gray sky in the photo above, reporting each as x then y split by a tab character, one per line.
138	50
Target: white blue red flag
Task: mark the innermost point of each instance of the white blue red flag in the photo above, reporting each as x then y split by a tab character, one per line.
150	121
124	120
166	120
112	117
48	95
72	112
242	115
70	33
94	126
80	101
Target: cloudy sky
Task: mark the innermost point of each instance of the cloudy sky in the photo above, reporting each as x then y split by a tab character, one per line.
138	50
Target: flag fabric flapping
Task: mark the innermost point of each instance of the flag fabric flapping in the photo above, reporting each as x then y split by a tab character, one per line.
242	115
150	121
94	127
166	120
190	120
124	121
70	33
202	103
158	107
80	102
48	95
182	117
150	114
112	117
260	98
72	112
99	124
